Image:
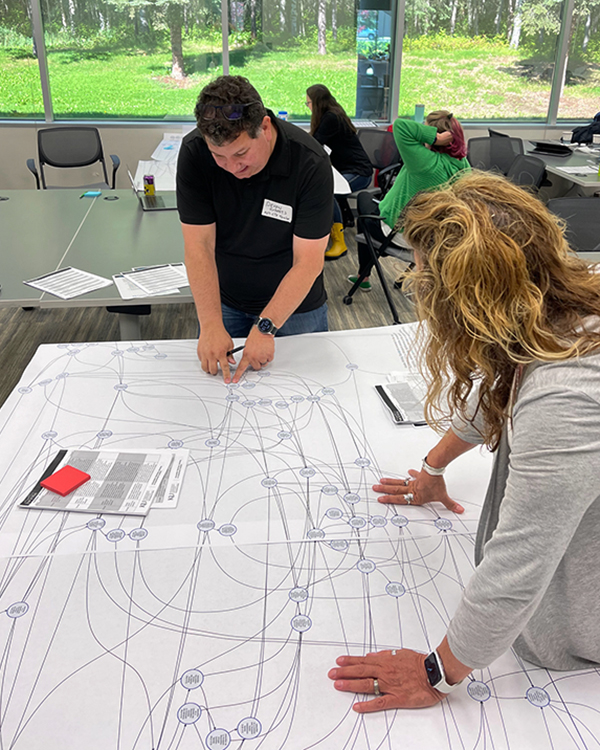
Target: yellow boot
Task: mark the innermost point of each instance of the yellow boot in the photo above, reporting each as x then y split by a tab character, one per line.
338	245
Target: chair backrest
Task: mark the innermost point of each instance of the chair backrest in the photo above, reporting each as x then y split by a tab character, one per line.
582	216
67	147
494	153
527	171
496	134
379	146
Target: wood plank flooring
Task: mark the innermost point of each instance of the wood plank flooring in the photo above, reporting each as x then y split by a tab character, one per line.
22	331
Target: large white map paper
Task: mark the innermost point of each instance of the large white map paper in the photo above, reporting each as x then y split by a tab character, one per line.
214	625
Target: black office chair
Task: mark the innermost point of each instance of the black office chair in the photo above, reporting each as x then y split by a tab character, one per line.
582	216
69	147
380	147
497	134
527	171
369	224
493	154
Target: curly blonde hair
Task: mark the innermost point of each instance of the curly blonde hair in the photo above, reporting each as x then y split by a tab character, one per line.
498	287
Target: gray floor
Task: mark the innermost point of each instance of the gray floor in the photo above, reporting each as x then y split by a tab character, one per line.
22	331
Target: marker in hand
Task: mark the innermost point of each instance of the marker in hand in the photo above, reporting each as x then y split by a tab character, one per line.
237	349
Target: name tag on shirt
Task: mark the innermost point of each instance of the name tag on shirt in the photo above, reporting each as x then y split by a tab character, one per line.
279	211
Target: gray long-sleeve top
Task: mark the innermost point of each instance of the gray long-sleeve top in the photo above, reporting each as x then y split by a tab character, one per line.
537	581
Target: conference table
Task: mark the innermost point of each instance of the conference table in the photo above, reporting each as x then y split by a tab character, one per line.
213	624
555	165
45	230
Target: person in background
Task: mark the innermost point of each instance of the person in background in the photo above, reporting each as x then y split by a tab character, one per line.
331	126
512	358
432	154
255	200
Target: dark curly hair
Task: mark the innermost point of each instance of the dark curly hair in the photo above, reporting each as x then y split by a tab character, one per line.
230	90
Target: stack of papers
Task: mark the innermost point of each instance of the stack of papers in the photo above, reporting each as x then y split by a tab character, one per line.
67	283
151	281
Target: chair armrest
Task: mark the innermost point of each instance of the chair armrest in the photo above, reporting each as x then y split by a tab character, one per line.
116	163
32	168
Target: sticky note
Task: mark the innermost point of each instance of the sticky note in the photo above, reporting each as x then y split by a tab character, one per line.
65	480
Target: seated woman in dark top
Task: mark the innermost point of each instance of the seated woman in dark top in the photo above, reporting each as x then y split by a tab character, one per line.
331	126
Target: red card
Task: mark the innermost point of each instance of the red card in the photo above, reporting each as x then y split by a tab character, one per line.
65	480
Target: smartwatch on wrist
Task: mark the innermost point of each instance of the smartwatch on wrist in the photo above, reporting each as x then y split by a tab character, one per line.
266	325
436	675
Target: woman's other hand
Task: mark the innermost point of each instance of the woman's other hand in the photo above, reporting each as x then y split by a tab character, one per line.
398	676
443	139
421	490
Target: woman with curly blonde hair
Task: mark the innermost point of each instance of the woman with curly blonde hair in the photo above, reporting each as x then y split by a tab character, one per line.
512	359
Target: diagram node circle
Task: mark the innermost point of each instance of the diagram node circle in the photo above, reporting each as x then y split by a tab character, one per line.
121	387
138	534
62	346
269	482
443	524
117	353
174	444
378	521
249	728
333	513
362	462
339	545
49	435
313	398
479	691
148	347
328	391
298	594
96	524
329	489
351	366
232	397
395	589
115	535
248	384
399	521
315	534
103	434
366	566
192	679
62	375
297	398
307	471
263	374
284	435
301	623
352	498
73	352
537	696
189	713
265	402
45	382
133	349
18	609
233	386
206	524
25	389
357	522
212	442
160	356
219	738
228	529
281	405
249	403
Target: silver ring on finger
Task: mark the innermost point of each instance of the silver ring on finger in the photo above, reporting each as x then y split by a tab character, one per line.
394	652
406	482
409	497
376	689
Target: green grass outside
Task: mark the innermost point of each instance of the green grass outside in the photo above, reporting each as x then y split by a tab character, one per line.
476	82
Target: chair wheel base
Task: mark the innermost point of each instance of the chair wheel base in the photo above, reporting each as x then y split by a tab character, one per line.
347	300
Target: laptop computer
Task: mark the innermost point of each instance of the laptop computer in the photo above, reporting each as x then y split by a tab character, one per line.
157	202
551	148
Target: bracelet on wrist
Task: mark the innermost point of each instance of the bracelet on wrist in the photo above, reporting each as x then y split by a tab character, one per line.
431	470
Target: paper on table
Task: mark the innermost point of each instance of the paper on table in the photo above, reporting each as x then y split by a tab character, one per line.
579	170
67	283
157	279
129	290
168	149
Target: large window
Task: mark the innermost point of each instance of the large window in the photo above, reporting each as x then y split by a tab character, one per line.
482	59
20	88
580	96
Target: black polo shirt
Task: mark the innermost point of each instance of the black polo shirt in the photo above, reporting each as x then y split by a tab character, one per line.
257	217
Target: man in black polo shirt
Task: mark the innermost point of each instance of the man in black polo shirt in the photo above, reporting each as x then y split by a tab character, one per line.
255	199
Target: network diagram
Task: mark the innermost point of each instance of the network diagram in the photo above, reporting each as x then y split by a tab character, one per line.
214	624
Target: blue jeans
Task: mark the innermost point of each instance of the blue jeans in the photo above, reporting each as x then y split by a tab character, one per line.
356	182
238	323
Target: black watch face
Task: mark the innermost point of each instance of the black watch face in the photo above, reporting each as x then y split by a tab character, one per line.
264	325
433	671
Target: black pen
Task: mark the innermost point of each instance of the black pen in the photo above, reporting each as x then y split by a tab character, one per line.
237	349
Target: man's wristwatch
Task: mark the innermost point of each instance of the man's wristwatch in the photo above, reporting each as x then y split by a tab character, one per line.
266	325
436	675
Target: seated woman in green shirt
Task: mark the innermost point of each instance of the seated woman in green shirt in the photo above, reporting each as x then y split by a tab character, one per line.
431	154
